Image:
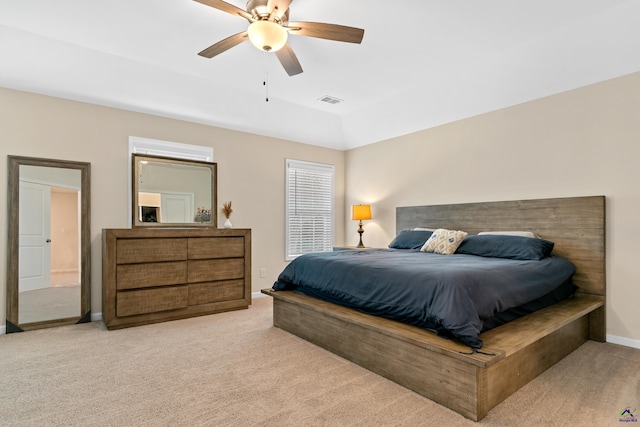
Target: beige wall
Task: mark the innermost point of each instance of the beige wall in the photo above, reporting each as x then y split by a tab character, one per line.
250	170
578	143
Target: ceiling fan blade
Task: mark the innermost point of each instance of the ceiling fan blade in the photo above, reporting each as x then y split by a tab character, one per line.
289	60
321	30
223	45
277	8
227	7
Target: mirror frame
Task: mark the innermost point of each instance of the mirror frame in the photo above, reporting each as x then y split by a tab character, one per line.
135	168
12	319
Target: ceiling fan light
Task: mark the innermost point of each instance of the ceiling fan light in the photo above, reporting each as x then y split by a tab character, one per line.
267	35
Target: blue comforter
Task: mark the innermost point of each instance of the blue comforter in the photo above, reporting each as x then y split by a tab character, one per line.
449	294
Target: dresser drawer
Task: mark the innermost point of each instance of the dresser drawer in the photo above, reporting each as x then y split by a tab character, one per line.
204	293
216	247
215	269
131	251
131	276
130	303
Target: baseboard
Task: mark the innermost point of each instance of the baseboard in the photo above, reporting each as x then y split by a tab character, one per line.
258	295
627	342
3	329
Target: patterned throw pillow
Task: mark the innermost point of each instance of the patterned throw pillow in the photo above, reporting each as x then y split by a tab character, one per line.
444	241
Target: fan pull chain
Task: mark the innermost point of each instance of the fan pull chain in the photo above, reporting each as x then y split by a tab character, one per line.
266	75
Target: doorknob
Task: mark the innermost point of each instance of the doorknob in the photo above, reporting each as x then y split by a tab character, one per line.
48	240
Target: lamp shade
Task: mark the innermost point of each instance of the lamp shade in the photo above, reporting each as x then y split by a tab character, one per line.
267	35
360	212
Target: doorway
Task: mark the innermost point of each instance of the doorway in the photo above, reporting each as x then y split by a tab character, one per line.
49	251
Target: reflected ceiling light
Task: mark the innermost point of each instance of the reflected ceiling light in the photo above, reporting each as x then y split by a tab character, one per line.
267	35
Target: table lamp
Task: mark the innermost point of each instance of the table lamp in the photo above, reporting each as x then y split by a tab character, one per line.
358	213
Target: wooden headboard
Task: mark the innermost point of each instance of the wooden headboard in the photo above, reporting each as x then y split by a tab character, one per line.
576	225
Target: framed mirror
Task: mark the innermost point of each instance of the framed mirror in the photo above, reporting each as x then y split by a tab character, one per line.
173	192
49	243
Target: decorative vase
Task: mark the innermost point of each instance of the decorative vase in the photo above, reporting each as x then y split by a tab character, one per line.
227	223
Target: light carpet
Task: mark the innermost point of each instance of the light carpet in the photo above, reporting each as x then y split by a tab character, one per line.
236	369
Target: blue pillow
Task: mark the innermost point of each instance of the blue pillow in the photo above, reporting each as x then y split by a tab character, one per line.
502	246
410	239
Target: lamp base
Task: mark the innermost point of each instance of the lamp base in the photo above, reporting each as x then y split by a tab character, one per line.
360	231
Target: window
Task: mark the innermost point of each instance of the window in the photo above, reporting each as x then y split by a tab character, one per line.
174	150
309	208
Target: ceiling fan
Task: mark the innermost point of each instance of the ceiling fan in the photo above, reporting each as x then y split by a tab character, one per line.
269	28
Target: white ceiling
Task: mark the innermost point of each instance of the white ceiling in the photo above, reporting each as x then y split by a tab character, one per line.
422	63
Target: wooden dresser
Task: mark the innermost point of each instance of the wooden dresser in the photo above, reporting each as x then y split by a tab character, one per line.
153	275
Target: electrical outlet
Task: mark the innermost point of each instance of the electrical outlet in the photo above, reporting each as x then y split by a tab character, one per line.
263	272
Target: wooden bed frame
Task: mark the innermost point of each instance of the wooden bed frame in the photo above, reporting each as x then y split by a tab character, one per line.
517	352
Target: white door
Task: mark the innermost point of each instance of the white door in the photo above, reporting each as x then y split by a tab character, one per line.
34	252
177	207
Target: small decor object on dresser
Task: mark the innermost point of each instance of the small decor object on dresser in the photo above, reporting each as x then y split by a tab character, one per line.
227	211
203	215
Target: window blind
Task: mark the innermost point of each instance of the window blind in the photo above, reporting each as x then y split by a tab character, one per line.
309	210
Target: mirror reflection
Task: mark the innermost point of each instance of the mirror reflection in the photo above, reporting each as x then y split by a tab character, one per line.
49	268
48	244
173	192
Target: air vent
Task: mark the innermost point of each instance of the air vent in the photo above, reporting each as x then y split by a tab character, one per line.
330	99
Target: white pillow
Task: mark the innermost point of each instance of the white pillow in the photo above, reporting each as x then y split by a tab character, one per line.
511	233
444	241
423	229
